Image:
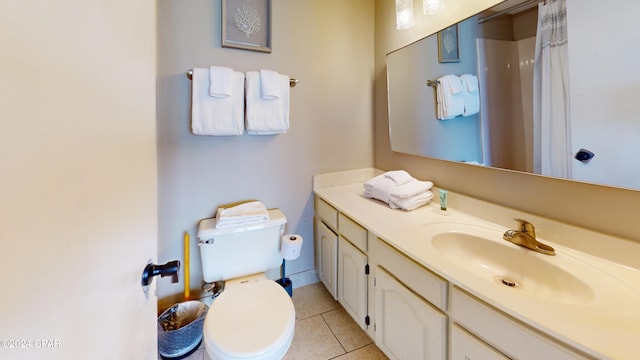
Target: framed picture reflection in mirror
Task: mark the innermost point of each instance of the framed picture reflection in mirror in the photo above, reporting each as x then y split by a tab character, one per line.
448	50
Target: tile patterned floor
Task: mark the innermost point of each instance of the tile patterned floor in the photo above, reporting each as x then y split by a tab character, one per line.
323	330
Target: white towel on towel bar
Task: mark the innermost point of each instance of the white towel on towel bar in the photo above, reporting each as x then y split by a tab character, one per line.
212	115
265	117
449	96
469	82
270	84
470	94
220	81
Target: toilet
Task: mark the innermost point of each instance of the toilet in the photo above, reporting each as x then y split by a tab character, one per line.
253	317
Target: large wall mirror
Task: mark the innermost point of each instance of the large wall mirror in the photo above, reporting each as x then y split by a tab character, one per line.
498	46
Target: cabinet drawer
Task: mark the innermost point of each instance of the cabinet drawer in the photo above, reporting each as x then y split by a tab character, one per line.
327	212
514	339
422	281
465	346
353	232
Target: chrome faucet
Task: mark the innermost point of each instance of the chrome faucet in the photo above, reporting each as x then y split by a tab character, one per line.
526	236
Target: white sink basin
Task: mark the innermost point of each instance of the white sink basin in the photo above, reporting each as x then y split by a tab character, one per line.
482	253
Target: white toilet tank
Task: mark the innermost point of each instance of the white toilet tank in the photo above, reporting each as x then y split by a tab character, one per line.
239	251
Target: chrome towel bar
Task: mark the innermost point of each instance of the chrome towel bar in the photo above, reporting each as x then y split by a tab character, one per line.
292	82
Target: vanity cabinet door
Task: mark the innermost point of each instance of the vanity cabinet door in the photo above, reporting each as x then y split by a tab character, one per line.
352	281
407	326
465	346
327	257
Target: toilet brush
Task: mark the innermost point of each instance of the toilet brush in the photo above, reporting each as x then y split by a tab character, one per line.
284	282
283	271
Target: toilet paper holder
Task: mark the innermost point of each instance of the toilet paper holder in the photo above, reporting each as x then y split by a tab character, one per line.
290	249
291	246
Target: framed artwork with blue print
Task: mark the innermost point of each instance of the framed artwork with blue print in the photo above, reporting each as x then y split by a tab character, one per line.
448	50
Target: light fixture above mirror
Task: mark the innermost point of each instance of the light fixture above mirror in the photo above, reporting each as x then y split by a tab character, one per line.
430	7
404	14
405	18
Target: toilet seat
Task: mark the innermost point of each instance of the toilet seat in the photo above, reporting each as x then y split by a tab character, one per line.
253	320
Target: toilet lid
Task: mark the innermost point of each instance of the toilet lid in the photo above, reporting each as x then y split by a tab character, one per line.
248	320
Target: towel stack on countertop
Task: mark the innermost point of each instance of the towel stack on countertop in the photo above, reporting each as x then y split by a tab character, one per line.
243	214
399	190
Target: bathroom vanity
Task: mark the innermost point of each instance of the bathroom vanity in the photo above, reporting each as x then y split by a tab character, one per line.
428	285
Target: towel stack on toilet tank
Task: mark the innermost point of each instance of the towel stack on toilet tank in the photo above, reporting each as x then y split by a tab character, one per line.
246	213
399	190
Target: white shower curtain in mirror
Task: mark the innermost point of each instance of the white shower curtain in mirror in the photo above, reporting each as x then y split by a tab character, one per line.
552	135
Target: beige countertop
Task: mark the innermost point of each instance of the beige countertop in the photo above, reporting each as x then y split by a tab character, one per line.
608	326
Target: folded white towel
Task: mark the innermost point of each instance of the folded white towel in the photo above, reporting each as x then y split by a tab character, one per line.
411	203
470	94
400	177
379	188
270	84
212	115
220	81
410	189
243	214
410	195
453	84
264	117
469	82
449	97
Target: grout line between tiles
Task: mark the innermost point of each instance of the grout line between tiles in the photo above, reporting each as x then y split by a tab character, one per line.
333	332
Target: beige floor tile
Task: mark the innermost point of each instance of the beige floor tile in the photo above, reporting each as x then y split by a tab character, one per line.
312	300
348	333
369	352
313	340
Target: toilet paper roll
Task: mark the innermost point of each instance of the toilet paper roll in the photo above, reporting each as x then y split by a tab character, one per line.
291	246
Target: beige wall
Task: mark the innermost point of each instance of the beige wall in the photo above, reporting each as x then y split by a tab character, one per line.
328	46
78	189
599	208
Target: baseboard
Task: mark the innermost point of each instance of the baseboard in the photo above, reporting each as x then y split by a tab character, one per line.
304	278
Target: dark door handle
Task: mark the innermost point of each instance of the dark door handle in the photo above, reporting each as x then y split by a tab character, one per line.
169	269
